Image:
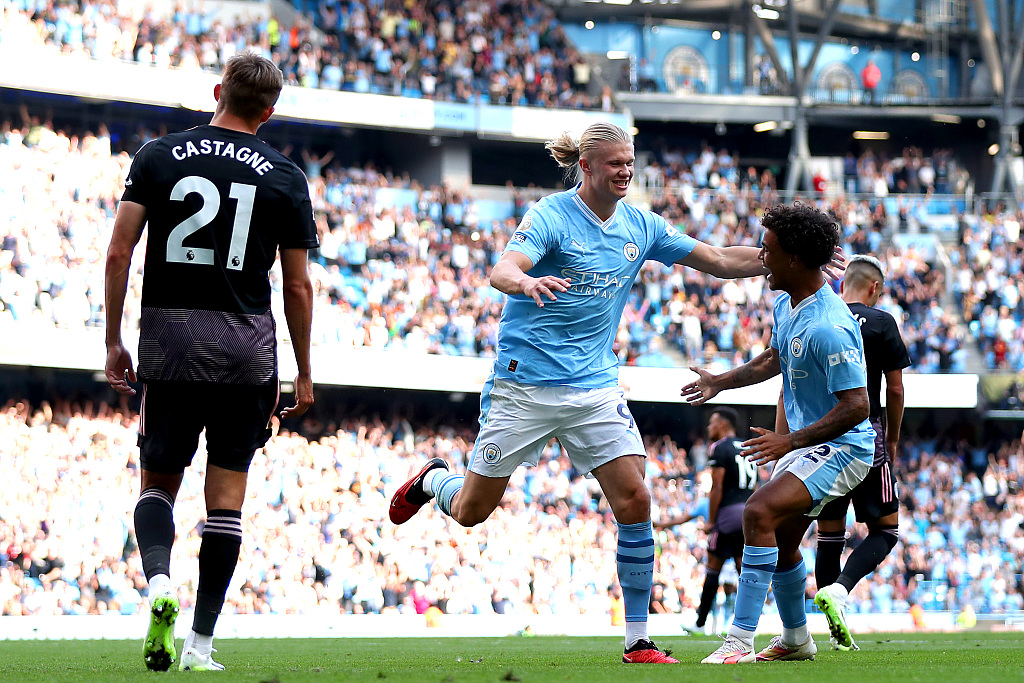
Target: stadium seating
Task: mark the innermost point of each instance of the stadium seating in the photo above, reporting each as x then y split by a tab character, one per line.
317	539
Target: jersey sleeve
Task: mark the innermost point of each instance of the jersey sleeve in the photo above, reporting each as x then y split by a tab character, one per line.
535	236
840	351
701	508
138	187
300	228
670	243
896	355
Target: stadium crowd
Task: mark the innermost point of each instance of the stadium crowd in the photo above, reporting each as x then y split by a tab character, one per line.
405	267
317	539
509	52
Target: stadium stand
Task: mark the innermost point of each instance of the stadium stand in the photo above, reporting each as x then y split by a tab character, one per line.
405	267
457	52
316	538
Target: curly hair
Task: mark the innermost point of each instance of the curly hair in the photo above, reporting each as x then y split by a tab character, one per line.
803	231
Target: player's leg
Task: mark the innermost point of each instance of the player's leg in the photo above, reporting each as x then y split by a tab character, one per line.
789	585
622	481
168	437
709	592
515	423
767	509
237	424
876	504
831	541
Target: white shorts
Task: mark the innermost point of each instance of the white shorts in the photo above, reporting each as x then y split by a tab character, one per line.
594	426
827	471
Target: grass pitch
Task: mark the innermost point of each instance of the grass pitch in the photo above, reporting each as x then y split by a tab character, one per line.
902	658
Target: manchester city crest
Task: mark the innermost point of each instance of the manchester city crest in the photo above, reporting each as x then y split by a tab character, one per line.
797	347
491	453
631	251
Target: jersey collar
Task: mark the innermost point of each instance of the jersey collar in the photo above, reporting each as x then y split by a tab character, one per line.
590	214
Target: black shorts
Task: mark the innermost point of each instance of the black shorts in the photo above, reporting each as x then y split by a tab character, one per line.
873	498
725	546
173	414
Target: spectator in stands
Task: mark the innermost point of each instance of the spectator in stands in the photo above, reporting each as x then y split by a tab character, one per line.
870	76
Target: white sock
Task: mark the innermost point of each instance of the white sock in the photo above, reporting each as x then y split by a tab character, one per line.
839	591
434	475
742	634
160	584
795	637
198	642
635	630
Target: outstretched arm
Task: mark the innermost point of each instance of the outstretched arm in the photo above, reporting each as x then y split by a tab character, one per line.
764	366
724	262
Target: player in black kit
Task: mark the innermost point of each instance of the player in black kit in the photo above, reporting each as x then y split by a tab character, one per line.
875	499
220	203
733	479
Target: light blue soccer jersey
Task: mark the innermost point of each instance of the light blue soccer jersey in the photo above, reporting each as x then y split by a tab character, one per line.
821	352
569	341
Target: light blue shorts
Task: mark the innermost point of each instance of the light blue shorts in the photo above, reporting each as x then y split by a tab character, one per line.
828	471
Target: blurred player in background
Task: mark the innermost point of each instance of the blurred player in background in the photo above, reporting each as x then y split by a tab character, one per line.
733	479
816	345
567	271
219	203
875	500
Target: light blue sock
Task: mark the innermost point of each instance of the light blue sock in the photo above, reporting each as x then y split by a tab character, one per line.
634	559
445	491
789	586
755	579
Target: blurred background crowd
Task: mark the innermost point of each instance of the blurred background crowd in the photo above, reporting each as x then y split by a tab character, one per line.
317	538
405	267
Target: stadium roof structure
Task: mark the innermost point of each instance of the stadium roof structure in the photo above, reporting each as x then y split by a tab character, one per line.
986	32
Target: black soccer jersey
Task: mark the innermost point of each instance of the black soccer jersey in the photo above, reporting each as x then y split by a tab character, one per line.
740	473
884	350
219	203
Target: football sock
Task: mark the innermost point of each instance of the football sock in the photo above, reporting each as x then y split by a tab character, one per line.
755	579
868	555
432	479
445	489
707	596
159	584
634	560
154	531
202	644
789	586
218	555
829	553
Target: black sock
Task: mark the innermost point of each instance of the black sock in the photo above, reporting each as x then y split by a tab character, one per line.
154	530
868	555
707	596
218	555
830	552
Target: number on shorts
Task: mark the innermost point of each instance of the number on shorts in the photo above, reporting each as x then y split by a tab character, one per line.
624	412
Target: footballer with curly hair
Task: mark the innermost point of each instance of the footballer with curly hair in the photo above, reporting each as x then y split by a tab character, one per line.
817	347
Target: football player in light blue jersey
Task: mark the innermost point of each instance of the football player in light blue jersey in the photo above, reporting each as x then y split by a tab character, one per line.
817	346
567	272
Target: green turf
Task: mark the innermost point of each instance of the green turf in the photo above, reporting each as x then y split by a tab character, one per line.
937	658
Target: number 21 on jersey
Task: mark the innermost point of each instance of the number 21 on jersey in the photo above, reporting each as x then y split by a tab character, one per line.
245	196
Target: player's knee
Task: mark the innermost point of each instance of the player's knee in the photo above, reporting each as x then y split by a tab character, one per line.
635	507
469	514
888	533
757	517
